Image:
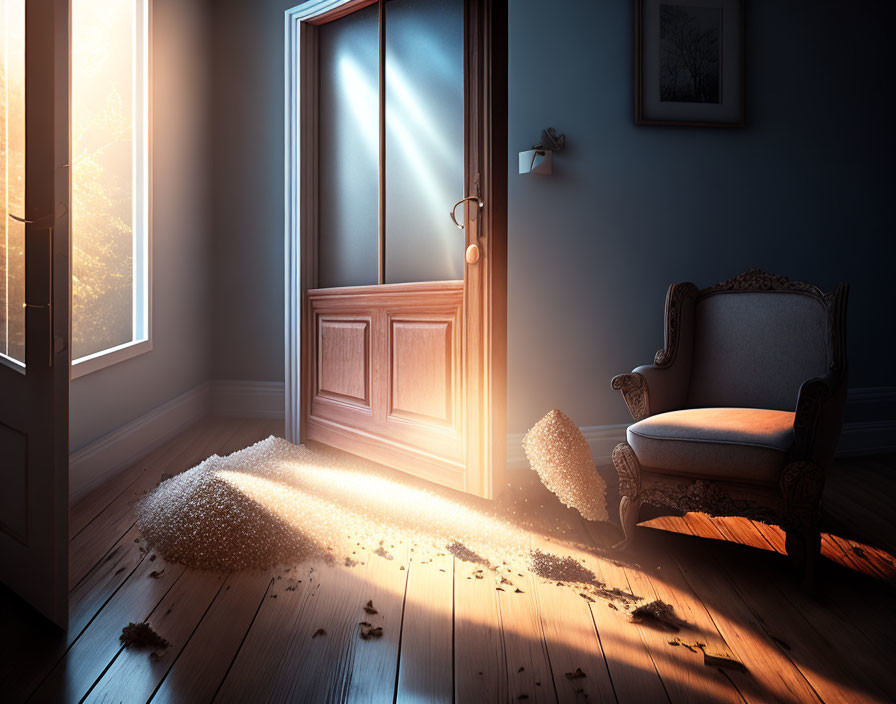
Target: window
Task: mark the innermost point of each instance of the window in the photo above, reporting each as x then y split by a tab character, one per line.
110	182
12	181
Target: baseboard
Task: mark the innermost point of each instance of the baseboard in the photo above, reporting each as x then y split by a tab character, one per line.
249	399
96	463
856	438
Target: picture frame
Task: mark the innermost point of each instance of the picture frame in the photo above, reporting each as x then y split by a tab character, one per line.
689	63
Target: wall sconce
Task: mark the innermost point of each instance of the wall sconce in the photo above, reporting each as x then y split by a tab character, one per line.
539	159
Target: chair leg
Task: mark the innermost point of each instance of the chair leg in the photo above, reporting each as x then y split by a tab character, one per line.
629	470
802	483
628	517
803	544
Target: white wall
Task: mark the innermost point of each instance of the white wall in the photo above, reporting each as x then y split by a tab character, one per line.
181	357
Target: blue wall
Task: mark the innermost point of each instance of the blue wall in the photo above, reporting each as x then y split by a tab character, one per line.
804	190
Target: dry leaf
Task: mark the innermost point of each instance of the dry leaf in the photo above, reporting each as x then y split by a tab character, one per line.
368	607
577	675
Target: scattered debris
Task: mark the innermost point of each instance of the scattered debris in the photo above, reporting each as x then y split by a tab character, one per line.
521	669
369	631
156	574
464	554
118	571
518	591
141	635
658	613
612	606
693	647
152	558
319	632
368	607
381	551
499	589
577	675
586	597
349	562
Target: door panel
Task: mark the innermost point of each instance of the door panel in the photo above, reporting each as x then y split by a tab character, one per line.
34	395
399	344
421	369
343	361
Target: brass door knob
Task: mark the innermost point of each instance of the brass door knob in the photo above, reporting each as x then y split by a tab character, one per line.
472	254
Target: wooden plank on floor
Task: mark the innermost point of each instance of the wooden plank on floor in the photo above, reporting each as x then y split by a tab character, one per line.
528	663
36	654
98	645
572	644
200	667
682	669
137	671
426	659
633	672
259	671
480	663
821	646
374	663
765	658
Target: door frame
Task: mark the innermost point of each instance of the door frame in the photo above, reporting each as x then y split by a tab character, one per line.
485	298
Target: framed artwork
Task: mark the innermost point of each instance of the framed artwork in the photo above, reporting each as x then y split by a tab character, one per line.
689	62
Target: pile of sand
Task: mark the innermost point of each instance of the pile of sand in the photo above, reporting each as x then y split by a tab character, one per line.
276	503
558	451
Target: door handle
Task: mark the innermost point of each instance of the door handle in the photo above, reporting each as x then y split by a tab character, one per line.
464	200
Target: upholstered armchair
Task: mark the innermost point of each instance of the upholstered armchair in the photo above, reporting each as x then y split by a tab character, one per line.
740	413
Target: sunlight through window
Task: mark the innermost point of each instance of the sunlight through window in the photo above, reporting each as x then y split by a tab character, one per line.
12	179
109	176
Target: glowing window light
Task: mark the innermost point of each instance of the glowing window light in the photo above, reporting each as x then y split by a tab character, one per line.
109	87
12	181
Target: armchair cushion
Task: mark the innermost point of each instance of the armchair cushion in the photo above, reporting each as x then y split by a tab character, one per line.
733	444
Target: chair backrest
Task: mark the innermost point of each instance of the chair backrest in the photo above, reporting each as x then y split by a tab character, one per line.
756	343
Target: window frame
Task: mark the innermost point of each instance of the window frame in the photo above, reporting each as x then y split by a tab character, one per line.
142	245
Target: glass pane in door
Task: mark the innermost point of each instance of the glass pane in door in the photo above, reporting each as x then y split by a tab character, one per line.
424	139
348	138
12	179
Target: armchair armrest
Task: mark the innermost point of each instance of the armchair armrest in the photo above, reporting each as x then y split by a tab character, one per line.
819	415
663	385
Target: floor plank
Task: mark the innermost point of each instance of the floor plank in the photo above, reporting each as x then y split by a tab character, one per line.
426	661
198	670
137	671
451	635
480	661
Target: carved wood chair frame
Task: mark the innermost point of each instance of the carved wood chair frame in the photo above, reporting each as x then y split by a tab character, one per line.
795	504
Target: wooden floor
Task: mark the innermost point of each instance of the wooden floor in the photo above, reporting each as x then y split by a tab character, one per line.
447	635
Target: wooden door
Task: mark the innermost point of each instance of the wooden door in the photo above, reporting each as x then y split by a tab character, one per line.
410	372
34	360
